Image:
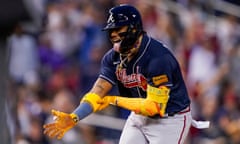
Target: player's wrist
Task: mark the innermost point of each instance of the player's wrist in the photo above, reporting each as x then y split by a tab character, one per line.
92	99
83	110
74	117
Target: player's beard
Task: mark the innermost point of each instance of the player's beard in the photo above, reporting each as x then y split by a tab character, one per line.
124	45
128	55
117	47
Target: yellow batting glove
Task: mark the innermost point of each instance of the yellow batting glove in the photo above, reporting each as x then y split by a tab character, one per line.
92	99
147	108
97	102
62	123
104	102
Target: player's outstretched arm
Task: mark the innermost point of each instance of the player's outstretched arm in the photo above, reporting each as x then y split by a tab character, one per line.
89	104
155	103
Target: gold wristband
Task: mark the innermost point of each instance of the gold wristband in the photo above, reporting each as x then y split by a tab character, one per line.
74	117
92	99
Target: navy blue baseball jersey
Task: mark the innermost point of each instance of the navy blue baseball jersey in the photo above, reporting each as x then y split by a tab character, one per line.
154	64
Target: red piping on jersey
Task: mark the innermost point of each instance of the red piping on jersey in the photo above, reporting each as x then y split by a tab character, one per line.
184	126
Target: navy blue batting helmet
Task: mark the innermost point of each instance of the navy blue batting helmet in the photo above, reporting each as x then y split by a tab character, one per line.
124	15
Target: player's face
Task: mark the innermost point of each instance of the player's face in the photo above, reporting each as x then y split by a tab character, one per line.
116	35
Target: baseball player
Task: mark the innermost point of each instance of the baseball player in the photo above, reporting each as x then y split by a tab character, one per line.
149	80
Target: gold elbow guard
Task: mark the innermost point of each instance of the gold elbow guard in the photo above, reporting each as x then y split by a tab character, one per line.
159	95
92	99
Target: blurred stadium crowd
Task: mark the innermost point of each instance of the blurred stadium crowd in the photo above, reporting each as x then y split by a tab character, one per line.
53	68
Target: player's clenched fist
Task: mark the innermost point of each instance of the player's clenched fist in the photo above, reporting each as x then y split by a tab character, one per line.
62	123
